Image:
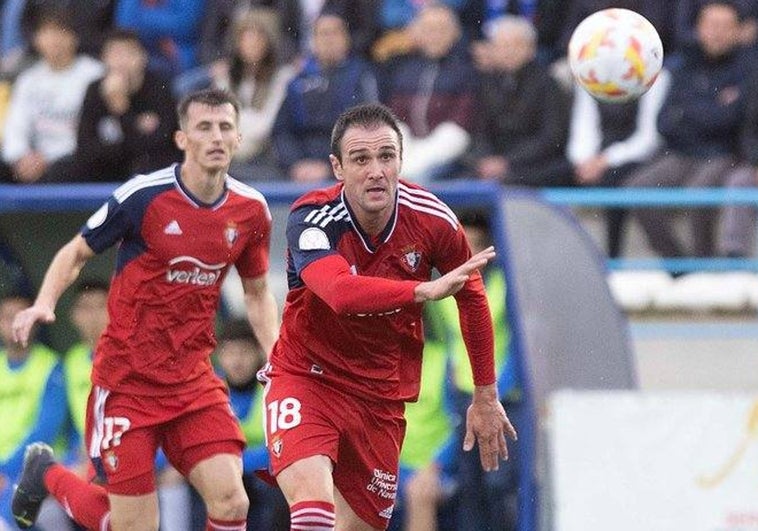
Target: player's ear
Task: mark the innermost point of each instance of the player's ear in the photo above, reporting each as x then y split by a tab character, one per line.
180	139
336	167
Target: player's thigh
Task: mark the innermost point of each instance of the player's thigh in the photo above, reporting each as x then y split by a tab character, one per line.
367	465
134	513
304	420
121	442
308	479
198	435
218	480
347	520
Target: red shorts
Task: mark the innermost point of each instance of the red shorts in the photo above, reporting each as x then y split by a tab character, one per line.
124	432
305	417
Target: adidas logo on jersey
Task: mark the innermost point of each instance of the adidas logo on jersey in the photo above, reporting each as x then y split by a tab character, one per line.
173	228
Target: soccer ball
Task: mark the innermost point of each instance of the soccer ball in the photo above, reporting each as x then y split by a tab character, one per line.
615	55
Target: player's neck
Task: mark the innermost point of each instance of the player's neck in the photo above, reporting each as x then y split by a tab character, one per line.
205	186
373	225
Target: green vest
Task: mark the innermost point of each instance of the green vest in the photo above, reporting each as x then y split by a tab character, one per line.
496	293
77	366
252	424
428	425
21	393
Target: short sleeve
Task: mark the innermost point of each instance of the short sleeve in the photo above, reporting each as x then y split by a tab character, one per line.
254	260
107	226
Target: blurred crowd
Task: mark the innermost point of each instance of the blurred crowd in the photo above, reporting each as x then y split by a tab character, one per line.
482	87
88	90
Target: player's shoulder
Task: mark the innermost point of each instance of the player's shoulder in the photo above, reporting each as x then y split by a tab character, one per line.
245	190
154	182
318	197
422	203
320	208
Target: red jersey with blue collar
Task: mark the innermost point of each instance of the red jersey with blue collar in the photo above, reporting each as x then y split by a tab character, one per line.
374	354
173	254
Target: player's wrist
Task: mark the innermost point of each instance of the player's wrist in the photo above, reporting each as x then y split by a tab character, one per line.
421	292
485	393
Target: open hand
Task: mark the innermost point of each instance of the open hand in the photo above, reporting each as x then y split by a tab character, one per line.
451	282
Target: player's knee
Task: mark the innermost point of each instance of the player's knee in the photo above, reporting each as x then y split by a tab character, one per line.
229	504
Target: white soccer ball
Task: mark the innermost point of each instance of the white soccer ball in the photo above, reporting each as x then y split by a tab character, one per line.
615	54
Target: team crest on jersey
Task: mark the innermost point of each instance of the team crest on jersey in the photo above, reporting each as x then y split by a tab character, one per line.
231	233
276	447
111	460
411	259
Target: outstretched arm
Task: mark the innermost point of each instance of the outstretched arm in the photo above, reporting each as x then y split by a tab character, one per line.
62	272
451	282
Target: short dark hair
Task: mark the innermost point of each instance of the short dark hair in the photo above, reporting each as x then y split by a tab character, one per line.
213	97
238	330
122	35
53	16
365	115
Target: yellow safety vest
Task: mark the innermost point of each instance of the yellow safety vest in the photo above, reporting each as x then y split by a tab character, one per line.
21	394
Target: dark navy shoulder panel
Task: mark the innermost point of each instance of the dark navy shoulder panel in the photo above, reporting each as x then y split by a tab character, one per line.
314	231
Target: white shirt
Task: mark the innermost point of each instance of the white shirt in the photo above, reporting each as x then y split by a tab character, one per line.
44	109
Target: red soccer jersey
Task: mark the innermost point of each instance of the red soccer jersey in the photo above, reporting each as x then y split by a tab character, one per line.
375	355
173	255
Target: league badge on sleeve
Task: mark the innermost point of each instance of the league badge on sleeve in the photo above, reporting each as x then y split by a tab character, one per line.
313	239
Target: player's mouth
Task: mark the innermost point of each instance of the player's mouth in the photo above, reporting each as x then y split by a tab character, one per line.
214	153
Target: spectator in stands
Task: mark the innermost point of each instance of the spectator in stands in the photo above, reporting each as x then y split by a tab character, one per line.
299	17
427	460
128	116
685	22
32	405
43	115
396	18
331	80
296	20
216	41
700	122
523	113
90	20
738	222
239	358
259	79
169	29
608	141
483	501
432	92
